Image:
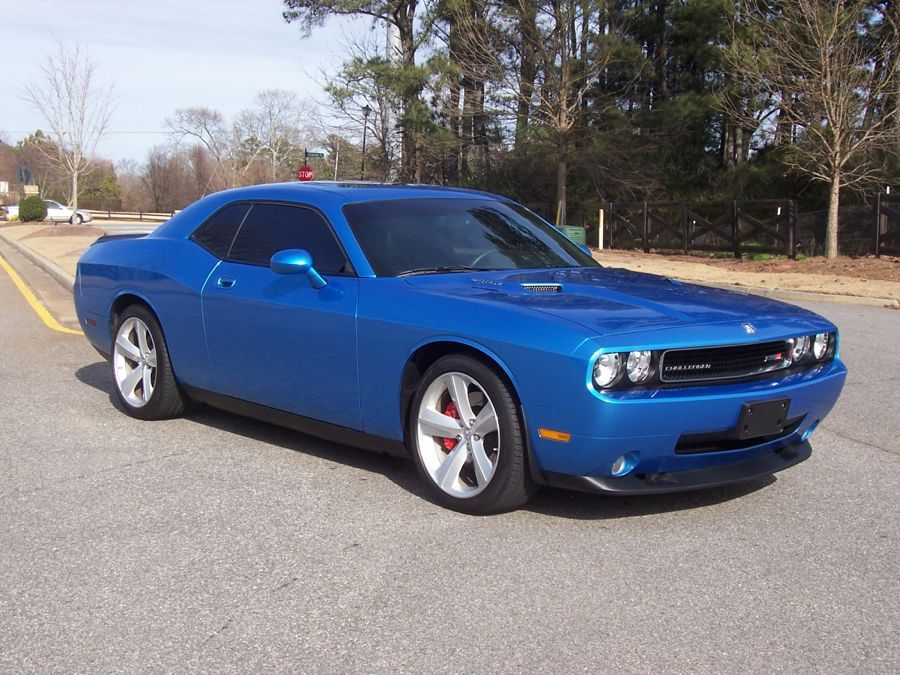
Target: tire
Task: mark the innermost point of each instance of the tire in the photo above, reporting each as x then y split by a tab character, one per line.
142	373
475	467
77	219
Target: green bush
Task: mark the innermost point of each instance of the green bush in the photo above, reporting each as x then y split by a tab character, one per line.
32	208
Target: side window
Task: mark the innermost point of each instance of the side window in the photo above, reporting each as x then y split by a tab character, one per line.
217	233
270	228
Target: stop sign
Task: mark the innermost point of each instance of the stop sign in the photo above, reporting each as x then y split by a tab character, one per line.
305	173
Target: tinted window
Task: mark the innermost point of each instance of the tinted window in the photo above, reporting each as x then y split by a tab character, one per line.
270	228
421	235
217	233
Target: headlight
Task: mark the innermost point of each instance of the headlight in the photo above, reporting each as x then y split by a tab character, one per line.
637	366
606	369
801	348
820	346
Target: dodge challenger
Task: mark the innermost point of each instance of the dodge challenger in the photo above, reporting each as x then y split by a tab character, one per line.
459	329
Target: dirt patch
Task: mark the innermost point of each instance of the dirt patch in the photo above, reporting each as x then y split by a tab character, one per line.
865	276
885	268
67	231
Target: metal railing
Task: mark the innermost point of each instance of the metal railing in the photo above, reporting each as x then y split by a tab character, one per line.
141	216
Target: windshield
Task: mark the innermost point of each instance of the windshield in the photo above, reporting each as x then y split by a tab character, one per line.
420	236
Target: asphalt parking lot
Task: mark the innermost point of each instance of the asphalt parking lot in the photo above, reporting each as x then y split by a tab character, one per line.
218	543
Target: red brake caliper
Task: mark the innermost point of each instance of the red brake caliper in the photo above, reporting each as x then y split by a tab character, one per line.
450	411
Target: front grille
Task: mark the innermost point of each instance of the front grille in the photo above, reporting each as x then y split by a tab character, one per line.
724	363
542	289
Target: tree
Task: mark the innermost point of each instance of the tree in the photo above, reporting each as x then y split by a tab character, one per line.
164	177
570	58
272	127
820	67
409	79
76	108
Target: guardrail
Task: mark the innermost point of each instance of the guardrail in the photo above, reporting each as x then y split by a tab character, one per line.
141	216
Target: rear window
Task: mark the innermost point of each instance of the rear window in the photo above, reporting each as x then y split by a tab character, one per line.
217	233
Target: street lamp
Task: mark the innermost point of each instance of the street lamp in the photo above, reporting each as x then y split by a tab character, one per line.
366	111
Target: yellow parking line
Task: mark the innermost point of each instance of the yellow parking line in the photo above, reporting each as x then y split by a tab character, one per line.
36	305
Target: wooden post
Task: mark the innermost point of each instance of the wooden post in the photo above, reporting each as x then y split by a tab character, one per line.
878	225
736	229
600	223
684	227
645	231
792	229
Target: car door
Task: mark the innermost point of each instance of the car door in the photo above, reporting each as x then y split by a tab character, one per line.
55	210
275	340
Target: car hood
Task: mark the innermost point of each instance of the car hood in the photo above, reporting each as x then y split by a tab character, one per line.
608	300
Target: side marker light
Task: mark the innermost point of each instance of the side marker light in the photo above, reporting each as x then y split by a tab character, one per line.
552	435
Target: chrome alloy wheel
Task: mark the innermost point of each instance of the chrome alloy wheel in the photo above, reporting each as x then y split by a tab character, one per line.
134	362
458	435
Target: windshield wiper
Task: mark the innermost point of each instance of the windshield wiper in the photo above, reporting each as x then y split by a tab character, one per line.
439	270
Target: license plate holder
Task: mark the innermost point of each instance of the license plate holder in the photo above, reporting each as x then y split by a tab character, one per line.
762	418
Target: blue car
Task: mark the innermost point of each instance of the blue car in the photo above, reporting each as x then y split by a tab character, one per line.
460	329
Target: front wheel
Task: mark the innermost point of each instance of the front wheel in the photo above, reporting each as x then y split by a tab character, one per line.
467	438
145	382
77	219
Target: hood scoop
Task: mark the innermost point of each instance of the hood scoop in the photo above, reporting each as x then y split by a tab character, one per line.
542	289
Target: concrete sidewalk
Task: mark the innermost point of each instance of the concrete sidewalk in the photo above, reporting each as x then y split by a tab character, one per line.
58	255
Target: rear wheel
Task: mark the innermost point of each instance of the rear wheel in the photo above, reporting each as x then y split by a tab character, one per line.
145	383
467	438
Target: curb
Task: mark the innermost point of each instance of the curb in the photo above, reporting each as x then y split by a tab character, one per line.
65	279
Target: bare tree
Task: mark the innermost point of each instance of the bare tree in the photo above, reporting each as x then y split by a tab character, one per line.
76	109
810	62
223	141
272	127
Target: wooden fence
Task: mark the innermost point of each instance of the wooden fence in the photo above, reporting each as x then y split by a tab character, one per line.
887	225
760	226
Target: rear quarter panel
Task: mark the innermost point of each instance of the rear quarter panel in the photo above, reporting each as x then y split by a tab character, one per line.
167	275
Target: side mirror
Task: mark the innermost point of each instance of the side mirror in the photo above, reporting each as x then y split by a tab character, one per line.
297	261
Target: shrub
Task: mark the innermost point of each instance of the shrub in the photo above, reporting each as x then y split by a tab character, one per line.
32	208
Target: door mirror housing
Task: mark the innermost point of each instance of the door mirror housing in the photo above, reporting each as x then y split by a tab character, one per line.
297	261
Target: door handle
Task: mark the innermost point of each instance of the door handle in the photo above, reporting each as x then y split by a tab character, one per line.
225	282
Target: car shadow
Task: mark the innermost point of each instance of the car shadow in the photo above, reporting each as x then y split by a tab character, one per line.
549	501
584	506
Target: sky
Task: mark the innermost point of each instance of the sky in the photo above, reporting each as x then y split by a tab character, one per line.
161	55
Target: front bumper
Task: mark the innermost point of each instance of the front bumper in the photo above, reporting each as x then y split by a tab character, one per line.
680	481
661	429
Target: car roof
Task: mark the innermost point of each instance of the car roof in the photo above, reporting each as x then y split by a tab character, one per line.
356	191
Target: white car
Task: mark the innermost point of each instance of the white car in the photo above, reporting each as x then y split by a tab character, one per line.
58	212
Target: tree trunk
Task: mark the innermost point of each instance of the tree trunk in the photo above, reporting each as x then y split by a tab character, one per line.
74	194
831	229
562	172
527	69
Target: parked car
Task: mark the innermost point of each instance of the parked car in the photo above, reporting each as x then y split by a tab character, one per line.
459	329
59	213
56	212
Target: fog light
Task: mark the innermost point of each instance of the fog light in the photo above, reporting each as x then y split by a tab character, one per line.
809	431
624	464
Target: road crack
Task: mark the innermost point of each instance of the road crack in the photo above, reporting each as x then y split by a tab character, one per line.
847	437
